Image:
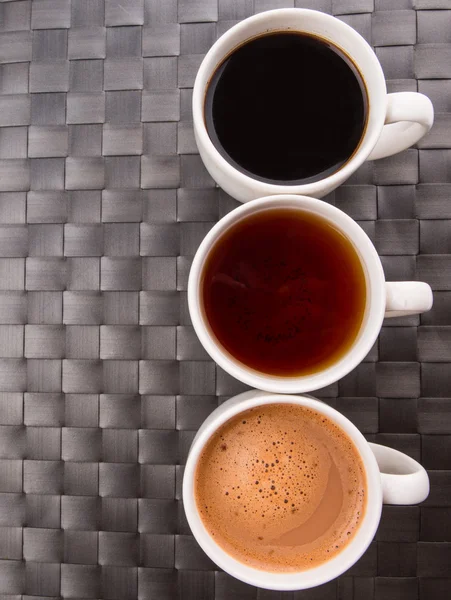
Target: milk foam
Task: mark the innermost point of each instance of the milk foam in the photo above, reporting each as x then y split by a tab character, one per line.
281	487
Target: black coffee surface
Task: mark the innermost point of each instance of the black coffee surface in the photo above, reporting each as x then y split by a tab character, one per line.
286	107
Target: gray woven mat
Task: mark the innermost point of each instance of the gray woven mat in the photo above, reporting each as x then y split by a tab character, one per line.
103	202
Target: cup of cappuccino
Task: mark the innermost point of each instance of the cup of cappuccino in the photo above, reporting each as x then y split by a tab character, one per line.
284	493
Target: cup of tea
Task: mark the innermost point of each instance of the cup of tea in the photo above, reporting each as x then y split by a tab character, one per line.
293	101
284	492
288	295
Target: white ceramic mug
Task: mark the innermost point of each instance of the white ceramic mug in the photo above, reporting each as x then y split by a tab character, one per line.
394	121
389	299
391	478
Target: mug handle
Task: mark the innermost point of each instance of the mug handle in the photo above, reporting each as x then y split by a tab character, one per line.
408	118
407	298
404	480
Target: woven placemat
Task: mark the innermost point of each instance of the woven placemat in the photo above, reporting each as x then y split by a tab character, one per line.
103	202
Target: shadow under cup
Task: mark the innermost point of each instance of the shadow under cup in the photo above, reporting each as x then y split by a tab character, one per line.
283	293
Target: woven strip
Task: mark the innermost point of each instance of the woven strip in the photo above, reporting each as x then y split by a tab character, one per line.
103	383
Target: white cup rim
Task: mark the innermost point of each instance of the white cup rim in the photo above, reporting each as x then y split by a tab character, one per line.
368	141
302	579
374	314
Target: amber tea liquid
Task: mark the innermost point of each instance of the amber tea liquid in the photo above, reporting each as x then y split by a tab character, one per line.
284	292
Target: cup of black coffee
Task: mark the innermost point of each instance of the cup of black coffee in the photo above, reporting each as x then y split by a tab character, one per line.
294	101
